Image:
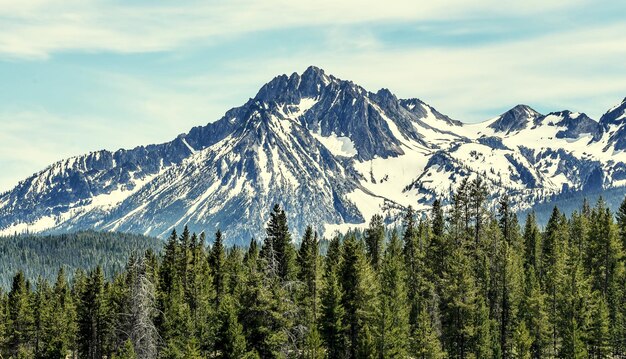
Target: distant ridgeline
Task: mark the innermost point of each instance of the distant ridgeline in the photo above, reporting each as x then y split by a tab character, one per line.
569	202
43	255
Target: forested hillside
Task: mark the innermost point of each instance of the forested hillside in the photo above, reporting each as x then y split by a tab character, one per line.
38	255
465	283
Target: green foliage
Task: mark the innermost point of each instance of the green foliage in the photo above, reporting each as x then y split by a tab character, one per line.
42	256
468	283
230	342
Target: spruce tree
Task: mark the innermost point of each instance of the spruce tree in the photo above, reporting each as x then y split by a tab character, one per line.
533	314
125	352
262	318
606	267
358	300
20	317
438	221
44	318
458	305
392	328
552	269
231	343
418	287
573	297
374	240
92	317
621	223
307	261
217	259
332	314
184	257
277	249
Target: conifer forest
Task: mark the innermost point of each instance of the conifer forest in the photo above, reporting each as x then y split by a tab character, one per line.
461	281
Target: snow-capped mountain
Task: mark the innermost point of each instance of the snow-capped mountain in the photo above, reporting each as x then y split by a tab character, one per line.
332	153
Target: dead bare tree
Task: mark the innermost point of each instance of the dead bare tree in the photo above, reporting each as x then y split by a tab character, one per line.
143	333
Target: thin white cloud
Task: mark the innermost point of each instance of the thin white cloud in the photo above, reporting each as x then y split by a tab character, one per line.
582	70
37	28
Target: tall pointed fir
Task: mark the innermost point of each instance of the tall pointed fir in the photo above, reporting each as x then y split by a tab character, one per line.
231	342
374	240
358	300
418	287
532	242
20	318
217	259
621	223
573	298
277	250
392	325
606	266
331	298
93	317
552	269
308	263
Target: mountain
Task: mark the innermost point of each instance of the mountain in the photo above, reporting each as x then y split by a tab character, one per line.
330	152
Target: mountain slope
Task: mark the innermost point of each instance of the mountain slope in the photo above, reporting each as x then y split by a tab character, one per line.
332	153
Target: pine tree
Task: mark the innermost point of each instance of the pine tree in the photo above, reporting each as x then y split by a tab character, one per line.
277	249
126	352
20	315
598	335
374	239
484	342
92	317
532	242
477	200
3	322
332	315
416	274
64	321
573	296
217	259
605	265
552	269
522	342
231	342
176	325
392	329
358	300
40	299
307	261
169	269
439	247
621	223
184	258
426	344
533	314
458	306
261	317
438	222
604	251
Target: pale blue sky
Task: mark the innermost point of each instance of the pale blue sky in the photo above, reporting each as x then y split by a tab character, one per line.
78	75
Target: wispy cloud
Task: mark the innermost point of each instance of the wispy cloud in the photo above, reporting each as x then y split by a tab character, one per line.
85	75
38	28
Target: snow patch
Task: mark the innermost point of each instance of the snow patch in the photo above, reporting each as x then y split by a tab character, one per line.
337	145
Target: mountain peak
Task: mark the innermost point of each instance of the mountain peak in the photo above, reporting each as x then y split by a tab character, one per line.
614	116
313	71
290	89
515	119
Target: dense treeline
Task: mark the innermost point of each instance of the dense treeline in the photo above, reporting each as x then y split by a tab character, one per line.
463	284
42	256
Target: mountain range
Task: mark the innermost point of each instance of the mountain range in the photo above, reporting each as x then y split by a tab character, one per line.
331	153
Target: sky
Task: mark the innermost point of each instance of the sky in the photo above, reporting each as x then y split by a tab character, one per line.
84	75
